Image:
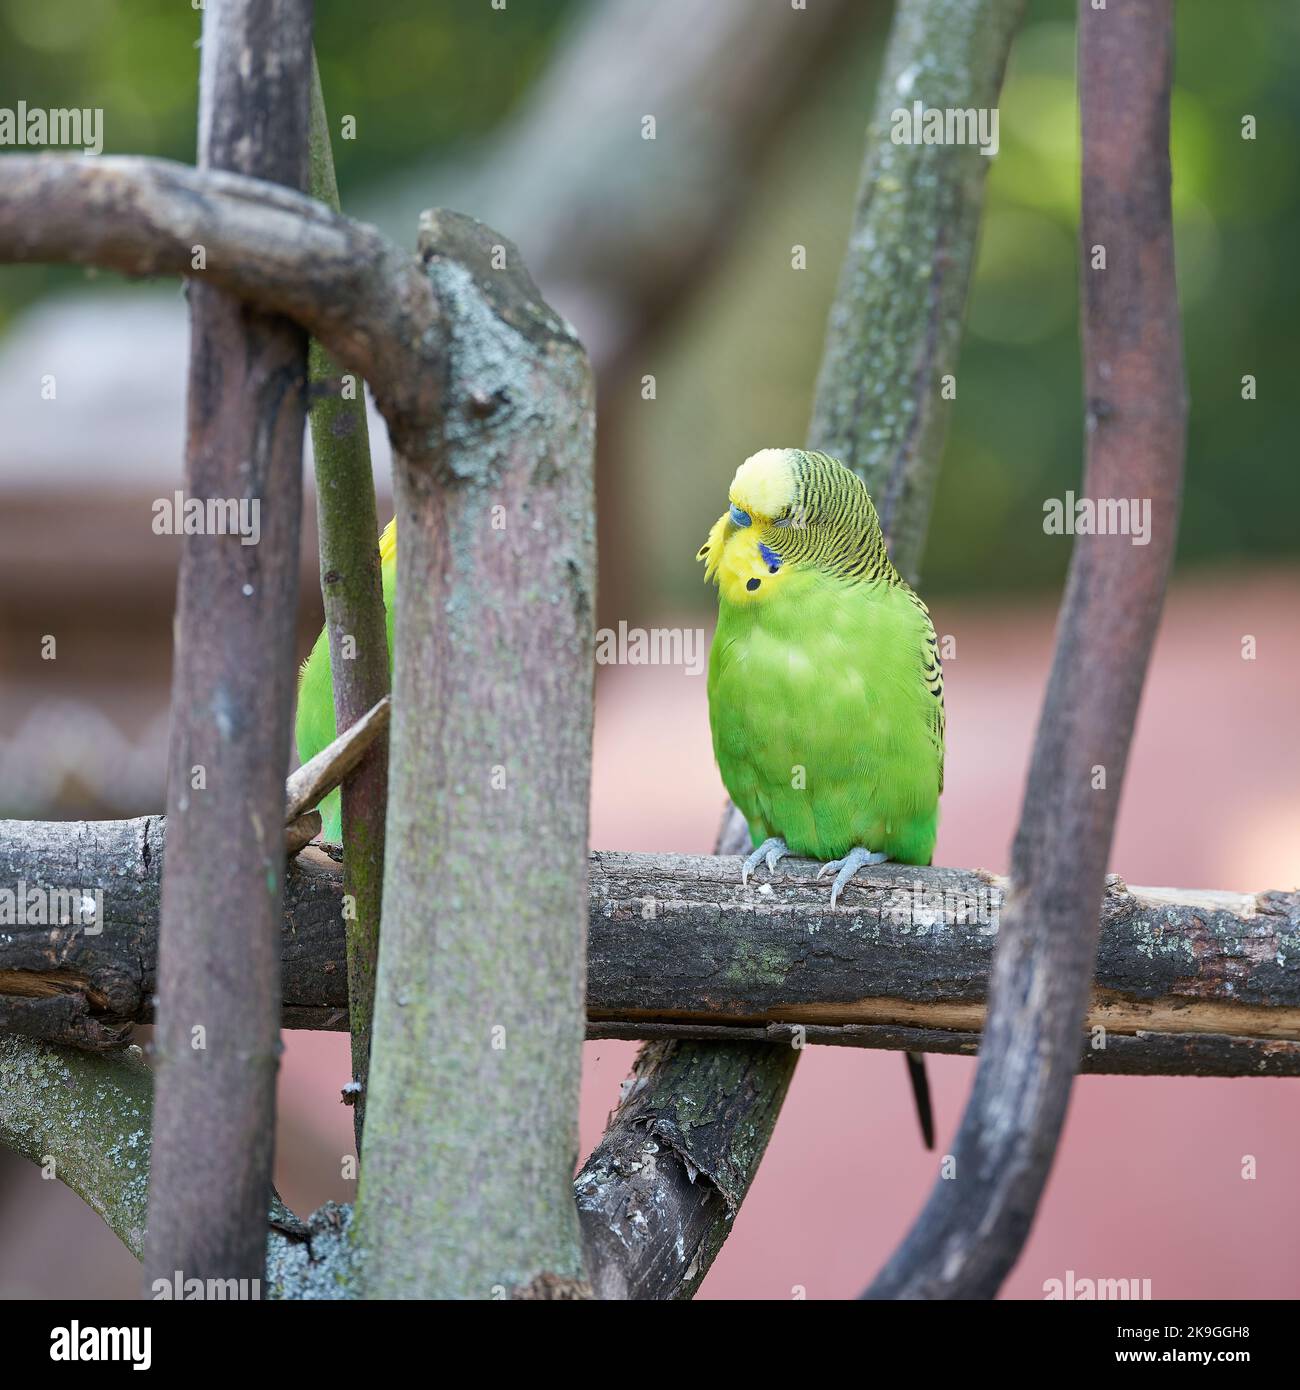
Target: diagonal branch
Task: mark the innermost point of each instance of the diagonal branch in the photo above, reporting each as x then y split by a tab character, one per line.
972	1230
365	298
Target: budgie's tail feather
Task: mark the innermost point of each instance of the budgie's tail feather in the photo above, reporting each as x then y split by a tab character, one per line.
921	1094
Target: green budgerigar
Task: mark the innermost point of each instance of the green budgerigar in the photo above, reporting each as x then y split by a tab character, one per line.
315	723
825	685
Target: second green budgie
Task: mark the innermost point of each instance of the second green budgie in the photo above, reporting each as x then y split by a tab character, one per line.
315	723
825	685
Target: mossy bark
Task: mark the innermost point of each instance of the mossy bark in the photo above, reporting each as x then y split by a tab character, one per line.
471	1134
352	591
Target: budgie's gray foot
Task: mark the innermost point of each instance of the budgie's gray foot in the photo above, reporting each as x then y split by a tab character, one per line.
770	850
854	860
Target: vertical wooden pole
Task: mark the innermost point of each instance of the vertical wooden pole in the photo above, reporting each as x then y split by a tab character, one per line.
217	1040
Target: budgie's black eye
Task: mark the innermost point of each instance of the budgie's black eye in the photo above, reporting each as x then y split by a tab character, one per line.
739	518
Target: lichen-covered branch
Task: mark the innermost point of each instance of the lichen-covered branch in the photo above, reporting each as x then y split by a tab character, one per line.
86	1120
355	622
217	1041
895	323
972	1230
471	1131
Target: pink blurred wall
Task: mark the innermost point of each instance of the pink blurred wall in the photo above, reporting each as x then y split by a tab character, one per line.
1148	1181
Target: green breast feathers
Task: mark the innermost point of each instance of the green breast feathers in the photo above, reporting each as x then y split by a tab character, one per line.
825	686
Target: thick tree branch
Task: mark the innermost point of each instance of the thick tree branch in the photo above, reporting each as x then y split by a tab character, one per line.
471	1130
676	948
86	1118
217	1043
648	1238
363	297
972	1230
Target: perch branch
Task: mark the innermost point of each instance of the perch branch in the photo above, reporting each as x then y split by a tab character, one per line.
677	949
971	1231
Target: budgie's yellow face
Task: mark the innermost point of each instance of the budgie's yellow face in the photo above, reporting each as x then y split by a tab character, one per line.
743	552
794	512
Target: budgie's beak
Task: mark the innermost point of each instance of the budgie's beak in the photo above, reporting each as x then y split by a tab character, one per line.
711	551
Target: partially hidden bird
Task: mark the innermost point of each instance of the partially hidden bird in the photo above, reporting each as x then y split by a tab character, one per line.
825	685
316	728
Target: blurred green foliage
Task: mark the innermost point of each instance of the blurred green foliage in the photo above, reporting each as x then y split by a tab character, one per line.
420	78
739	373
735	370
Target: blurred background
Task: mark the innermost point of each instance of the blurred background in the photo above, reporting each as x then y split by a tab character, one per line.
673	259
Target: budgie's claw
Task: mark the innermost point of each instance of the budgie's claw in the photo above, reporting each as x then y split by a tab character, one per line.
854	860
770	850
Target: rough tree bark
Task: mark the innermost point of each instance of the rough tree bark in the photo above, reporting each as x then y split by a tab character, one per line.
471	1134
972	1230
894	330
217	1042
1186	982
88	1120
358	639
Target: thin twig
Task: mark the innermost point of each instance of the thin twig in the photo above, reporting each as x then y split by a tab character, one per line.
328	769
352	589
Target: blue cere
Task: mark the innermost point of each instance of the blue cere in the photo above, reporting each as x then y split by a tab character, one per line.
738	518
